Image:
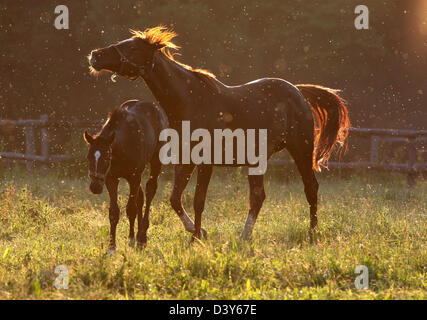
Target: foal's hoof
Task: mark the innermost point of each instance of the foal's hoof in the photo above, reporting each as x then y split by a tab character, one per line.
312	235
141	245
204	234
110	251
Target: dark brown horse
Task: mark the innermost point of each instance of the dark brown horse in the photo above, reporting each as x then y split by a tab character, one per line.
307	120
127	142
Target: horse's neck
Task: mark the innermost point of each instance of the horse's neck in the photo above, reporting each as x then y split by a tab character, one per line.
171	83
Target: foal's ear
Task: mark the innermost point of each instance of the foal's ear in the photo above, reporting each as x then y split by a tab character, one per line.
88	138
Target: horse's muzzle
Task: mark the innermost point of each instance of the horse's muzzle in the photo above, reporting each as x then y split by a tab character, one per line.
93	61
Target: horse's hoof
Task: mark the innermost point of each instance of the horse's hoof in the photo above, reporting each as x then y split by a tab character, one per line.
204	234
132	242
245	236
196	239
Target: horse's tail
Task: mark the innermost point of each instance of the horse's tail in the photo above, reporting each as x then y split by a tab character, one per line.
331	121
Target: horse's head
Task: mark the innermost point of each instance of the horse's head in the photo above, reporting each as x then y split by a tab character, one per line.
130	57
99	158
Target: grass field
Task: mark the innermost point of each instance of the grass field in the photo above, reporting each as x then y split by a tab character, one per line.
366	219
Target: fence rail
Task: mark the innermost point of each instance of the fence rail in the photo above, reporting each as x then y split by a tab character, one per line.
376	135
29	127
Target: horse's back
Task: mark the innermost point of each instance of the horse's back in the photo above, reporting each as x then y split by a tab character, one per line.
269	103
267	90
263	102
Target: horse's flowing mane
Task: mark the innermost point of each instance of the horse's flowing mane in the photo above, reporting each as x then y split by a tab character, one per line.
160	35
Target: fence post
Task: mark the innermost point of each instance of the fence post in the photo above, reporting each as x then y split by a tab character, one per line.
44	143
30	147
374	150
412	158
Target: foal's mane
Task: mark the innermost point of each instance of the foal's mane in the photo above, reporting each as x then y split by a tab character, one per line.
113	119
160	35
116	114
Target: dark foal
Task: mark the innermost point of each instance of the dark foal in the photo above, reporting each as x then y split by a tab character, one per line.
127	142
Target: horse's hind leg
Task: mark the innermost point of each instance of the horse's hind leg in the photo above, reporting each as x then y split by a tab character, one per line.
303	160
150	191
114	211
132	205
204	174
256	197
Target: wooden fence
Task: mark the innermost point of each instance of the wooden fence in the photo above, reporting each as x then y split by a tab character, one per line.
43	124
412	138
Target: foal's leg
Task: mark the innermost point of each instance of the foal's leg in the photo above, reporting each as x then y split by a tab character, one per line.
132	206
256	198
140	205
114	211
150	191
204	174
182	177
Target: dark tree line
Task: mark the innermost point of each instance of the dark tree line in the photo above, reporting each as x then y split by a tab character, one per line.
381	70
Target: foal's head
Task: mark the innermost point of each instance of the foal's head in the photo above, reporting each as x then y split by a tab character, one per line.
99	158
132	56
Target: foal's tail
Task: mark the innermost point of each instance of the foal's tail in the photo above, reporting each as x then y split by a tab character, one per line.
331	121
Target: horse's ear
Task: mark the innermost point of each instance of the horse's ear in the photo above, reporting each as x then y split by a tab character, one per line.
111	137
88	138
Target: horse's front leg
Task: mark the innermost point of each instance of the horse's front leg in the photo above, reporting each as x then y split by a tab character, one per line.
182	177
114	211
204	174
132	205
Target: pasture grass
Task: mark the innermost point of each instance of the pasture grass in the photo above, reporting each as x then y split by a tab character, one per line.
370	219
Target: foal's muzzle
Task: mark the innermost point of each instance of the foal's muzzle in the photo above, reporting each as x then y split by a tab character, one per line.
96	187
97	182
